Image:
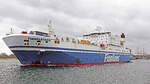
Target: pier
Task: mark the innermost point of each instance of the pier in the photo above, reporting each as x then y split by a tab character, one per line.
141	57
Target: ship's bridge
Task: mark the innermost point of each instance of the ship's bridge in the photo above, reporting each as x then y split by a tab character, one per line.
38	33
100	38
102	33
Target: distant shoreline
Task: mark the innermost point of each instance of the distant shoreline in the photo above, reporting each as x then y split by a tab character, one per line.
8	58
5	56
141	57
12	56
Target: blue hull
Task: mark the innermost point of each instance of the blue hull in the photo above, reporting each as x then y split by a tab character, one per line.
62	58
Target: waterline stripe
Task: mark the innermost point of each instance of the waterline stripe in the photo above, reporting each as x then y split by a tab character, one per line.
75	64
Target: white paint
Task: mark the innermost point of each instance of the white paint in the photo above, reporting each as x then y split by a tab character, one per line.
111	58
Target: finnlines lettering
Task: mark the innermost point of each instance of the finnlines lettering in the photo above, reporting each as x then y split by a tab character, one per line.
111	58
44	39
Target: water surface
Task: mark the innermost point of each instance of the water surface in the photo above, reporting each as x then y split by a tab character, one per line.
136	72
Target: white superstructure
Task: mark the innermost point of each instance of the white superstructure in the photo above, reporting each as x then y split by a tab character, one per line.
96	40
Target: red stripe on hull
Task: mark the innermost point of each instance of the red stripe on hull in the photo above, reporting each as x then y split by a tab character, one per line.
72	64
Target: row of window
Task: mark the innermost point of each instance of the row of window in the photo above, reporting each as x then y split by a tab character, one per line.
57	41
67	40
26	42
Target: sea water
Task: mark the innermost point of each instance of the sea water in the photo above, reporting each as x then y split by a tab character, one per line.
135	72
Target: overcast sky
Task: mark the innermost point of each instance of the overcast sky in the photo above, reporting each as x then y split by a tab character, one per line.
79	16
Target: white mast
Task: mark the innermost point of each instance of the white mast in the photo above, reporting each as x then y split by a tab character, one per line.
11	31
50	30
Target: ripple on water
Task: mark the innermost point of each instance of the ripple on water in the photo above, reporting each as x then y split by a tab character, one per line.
136	72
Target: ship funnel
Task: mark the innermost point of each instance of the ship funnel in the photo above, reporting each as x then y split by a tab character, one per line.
122	39
122	35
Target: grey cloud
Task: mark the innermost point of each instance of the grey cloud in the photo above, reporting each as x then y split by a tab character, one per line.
129	16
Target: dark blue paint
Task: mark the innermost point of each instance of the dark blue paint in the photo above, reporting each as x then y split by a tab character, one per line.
57	57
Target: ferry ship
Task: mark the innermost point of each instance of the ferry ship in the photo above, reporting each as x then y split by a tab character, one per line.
49	49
